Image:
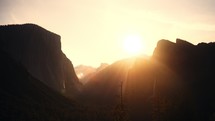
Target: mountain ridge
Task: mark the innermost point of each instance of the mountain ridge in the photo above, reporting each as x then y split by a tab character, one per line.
23	97
177	79
39	50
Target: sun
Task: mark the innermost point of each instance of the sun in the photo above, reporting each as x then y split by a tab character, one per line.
133	44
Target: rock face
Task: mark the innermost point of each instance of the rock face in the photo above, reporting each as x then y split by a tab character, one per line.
23	97
194	66
176	83
40	52
186	59
103	87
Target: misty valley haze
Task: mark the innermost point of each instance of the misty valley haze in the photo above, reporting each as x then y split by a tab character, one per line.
38	82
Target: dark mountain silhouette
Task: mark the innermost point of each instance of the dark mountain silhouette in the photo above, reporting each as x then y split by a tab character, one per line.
132	75
25	98
40	52
176	83
194	64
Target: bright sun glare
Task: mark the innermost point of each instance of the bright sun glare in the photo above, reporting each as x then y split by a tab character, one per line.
133	44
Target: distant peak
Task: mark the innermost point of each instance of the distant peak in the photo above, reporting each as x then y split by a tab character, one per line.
164	42
183	42
179	42
28	26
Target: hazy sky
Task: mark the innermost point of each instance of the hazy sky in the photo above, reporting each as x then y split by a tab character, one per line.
92	31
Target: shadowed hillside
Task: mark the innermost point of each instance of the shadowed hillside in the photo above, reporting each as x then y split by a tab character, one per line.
176	83
25	98
194	64
40	52
29	52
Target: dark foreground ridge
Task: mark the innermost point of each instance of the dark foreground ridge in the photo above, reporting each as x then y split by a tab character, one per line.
24	98
39	50
175	84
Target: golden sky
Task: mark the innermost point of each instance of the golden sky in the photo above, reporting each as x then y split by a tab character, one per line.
93	31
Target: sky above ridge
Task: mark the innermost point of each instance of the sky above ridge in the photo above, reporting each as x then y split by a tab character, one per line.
93	31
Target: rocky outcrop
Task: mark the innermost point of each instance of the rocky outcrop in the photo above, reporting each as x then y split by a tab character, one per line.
39	50
194	66
184	57
176	83
23	97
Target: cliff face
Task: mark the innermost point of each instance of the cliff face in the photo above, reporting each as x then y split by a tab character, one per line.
194	66
71	82
40	52
185	58
176	83
175	54
23	97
